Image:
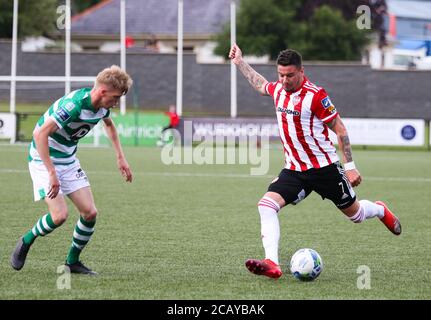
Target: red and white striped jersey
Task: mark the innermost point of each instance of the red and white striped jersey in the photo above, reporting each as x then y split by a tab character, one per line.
302	118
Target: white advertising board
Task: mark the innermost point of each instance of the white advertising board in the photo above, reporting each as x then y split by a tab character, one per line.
7	126
385	132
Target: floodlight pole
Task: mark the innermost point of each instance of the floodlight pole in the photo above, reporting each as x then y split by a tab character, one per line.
13	63
67	49
123	49
233	83
13	60
180	59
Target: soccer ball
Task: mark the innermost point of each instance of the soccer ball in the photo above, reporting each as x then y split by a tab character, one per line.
306	264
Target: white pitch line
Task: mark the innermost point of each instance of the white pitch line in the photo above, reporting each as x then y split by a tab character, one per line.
12	171
398	179
226	175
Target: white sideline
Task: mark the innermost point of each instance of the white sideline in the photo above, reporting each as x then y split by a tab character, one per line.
226	175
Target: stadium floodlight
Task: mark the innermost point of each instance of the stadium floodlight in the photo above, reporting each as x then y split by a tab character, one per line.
123	49
13	62
233	85
180	35
67	49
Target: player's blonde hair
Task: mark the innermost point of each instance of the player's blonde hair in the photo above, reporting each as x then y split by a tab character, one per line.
115	77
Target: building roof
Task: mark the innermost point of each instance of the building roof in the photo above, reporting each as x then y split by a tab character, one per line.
410	9
153	17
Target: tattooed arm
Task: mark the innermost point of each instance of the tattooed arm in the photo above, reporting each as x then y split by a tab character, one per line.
257	81
338	127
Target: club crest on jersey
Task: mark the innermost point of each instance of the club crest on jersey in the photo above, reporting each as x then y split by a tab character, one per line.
288	111
62	114
296	100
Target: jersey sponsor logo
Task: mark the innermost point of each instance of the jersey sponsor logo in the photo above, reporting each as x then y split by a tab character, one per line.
80	132
288	111
62	114
69	106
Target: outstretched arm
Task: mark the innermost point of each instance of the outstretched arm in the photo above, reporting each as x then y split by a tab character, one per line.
122	164
257	81
352	173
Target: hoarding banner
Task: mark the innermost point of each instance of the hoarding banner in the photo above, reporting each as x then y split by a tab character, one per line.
134	129
7	125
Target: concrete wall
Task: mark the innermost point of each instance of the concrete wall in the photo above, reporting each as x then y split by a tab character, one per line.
356	90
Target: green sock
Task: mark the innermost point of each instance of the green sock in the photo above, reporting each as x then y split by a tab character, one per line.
43	226
81	236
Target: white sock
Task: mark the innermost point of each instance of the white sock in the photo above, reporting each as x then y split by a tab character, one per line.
372	210
270	227
368	210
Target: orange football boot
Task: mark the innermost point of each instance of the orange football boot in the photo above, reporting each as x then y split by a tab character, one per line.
390	220
264	267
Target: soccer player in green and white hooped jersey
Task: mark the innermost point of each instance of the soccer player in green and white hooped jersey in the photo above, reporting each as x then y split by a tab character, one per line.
75	117
56	171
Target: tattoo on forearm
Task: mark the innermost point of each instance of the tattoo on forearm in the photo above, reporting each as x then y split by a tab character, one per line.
347	149
255	79
343	139
332	124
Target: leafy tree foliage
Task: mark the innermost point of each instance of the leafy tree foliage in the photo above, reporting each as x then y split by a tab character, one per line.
331	37
319	29
34	17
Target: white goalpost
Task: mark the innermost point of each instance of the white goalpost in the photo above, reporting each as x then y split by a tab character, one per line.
233	78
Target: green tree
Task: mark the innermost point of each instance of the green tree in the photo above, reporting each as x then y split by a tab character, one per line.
267	27
263	27
331	37
34	17
347	8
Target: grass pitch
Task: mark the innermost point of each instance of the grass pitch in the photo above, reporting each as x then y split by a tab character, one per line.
185	231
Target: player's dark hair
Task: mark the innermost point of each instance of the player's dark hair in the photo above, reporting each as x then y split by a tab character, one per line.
289	57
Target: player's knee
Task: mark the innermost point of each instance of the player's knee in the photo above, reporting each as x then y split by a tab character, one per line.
267	202
90	214
59	216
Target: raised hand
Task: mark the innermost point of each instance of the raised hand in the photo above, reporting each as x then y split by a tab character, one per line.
235	54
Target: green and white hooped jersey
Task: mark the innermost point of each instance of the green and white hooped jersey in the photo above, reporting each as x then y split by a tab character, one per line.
75	116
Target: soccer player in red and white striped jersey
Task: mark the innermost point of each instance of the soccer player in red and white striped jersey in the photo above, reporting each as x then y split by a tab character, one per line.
305	114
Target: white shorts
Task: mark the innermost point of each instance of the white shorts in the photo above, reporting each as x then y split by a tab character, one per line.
71	178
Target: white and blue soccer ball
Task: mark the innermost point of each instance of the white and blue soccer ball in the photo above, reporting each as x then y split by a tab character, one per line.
306	264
